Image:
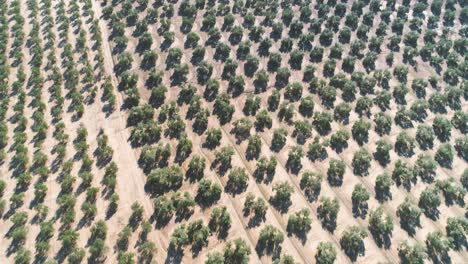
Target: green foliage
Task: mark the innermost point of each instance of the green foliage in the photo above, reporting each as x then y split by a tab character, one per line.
360	131
429	201
359	197
164	179
326	253
409	215
215	258
257	206
403	174
311	184
299	223
452	191
163	209
237	252
279	138
270	239
76	256
283	192
411	253
198	234
456	229
327	212
237	180
220	221
381	227
361	162
438	246
352	242
404	145
336	172
442	128
444	155
23	256
242	128
294	159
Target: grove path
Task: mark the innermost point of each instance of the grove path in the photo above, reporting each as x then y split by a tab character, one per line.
131	180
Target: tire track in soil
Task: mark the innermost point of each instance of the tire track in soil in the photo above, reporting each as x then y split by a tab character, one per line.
235	205
266	196
340	195
389	210
402	191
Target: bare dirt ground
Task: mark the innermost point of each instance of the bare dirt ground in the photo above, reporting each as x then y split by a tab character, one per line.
131	179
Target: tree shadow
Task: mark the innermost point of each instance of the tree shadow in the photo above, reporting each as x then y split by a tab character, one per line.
382	160
111	210
409	228
442	258
383	240
234	189
328	224
334	180
360	210
281	205
256	220
174	256
300	234
338	148
293	167
354	253
269	250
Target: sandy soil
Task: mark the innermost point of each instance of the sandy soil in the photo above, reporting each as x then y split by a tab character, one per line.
131	179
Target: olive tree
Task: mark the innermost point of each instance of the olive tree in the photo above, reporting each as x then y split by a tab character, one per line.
404	145
453	192
339	140
429	201
300	223
442	128
403	174
336	172
311	184
461	146
409	215
282	197
438	246
164	179
213	137
208	192
237	180
220	221
382	153
381	227
457	231
215	258
326	253
361	162
327	212
359	197
237	252
196	168
270	239
294	159
279	138
352	242
444	155
425	136
223	158
411	253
